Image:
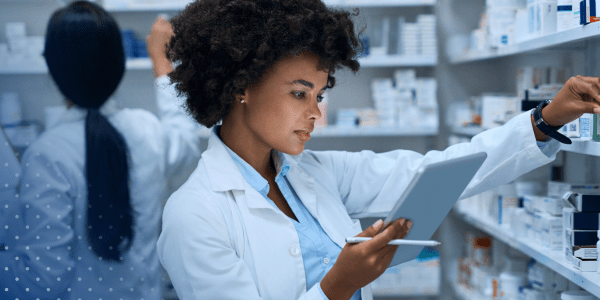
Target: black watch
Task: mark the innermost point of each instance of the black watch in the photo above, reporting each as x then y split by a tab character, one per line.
551	131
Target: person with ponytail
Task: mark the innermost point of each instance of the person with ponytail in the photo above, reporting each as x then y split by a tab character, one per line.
93	186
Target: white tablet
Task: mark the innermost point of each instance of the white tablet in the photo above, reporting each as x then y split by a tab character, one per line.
429	197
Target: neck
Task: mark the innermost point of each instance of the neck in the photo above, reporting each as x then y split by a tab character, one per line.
248	146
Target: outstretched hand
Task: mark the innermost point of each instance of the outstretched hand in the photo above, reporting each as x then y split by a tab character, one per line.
579	95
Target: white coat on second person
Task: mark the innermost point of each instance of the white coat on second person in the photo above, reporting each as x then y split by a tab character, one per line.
52	258
222	239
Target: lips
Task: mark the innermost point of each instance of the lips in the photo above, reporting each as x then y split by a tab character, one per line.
304	134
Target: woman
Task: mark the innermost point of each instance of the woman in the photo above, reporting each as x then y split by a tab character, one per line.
262	218
93	186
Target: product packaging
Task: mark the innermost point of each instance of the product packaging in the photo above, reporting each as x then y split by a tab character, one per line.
564	15
585	127
596	128
576	220
584	265
587	203
580	237
573	129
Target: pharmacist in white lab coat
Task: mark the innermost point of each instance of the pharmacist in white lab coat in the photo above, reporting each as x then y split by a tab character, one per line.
65	251
263	218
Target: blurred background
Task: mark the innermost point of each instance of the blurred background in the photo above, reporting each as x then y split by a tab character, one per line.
433	73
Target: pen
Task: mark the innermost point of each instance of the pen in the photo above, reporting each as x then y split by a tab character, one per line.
395	242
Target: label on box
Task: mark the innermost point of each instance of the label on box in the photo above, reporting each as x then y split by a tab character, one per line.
584	265
585	252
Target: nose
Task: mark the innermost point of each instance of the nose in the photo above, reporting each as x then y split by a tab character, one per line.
314	110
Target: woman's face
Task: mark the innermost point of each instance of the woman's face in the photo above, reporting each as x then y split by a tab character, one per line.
280	111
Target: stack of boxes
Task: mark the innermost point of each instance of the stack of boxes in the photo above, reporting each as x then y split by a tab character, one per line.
580	227
428	45
406	101
417	38
543	221
21	49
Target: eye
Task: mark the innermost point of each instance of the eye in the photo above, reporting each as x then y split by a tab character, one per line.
319	98
299	95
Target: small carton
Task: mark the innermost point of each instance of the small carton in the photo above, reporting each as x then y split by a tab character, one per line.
584	265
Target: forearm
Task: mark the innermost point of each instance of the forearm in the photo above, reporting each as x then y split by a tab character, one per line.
161	65
333	288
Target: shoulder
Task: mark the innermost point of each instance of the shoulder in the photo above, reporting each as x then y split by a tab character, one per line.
194	199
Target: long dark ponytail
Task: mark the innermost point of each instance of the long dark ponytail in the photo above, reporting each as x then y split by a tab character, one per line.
84	54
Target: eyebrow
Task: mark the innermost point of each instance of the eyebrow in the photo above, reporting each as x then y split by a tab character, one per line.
306	83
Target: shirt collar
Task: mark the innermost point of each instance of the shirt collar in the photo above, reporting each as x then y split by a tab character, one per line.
251	175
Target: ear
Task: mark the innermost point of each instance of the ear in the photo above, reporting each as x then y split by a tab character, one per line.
240	96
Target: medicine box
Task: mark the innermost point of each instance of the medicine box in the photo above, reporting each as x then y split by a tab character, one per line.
580	237
533	203
553	205
584	265
558	189
585	252
573	129
551	231
596	128
587	203
576	220
585	127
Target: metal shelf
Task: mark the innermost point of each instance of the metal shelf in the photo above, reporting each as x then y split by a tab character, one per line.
398	61
554	260
346	131
556	40
341	3
30	68
468	131
578	146
141	64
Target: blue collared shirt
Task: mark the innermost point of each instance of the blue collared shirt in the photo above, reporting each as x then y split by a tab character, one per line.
319	252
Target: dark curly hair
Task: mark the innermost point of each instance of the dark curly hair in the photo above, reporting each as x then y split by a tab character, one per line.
221	47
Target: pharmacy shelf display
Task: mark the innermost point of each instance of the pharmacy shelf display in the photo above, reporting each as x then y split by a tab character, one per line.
554	260
556	40
347	131
179	5
578	146
140	64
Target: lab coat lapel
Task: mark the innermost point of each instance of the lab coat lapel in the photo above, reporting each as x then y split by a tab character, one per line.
304	186
272	237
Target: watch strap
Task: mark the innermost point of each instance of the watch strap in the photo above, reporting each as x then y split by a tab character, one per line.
550	131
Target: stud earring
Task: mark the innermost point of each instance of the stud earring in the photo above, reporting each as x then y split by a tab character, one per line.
242	101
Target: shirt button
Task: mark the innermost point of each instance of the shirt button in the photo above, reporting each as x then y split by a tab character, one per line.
294	251
326	260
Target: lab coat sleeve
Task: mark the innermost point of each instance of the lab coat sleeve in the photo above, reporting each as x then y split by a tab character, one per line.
42	259
195	250
180	131
370	183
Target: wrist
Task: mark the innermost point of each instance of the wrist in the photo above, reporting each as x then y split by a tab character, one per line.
334	288
539	135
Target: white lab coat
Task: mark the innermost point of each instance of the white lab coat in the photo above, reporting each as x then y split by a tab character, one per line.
53	199
221	239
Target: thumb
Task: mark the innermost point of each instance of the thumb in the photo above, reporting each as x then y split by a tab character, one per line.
591	108
372	230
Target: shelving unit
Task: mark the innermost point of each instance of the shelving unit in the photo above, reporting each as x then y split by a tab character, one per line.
573	38
554	260
340	3
333	131
578	146
145	64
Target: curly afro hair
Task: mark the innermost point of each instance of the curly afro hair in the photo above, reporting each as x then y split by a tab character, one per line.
222	47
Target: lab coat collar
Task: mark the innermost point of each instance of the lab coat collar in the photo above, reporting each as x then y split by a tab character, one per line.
225	175
77	113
